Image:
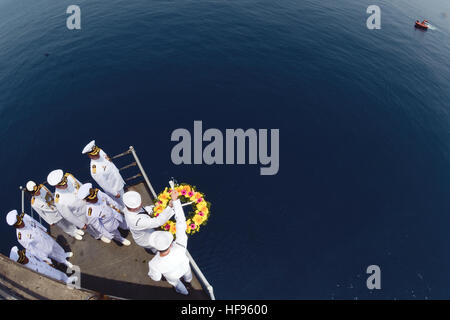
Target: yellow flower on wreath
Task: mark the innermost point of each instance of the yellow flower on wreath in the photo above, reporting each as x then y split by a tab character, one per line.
198	219
195	218
201	206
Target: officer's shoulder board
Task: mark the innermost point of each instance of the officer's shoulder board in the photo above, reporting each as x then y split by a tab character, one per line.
94	169
89	211
32	200
56	197
19	236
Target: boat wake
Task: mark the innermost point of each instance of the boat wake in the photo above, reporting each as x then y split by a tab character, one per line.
430	26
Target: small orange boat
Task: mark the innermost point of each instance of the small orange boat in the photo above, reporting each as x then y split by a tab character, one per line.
422	25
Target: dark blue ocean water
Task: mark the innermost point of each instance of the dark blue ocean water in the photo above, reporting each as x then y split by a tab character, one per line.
363	115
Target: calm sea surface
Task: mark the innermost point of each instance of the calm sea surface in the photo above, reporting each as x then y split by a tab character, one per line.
364	121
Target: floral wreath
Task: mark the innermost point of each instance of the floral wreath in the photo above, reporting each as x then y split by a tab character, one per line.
195	218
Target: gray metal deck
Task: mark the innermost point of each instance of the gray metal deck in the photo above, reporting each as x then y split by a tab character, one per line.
120	271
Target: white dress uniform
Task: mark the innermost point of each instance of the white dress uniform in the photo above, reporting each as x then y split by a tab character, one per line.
34	238
142	225
67	203
105	173
36	264
44	205
175	264
104	217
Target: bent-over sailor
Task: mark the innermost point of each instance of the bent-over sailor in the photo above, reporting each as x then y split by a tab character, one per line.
139	221
66	201
34	263
33	237
103	214
42	202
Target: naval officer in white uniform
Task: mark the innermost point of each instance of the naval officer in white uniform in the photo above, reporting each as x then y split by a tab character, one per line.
34	263
66	201
104	172
103	214
139	221
42	202
33	237
171	260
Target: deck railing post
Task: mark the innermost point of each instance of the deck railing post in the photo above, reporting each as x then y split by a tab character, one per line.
22	190
133	152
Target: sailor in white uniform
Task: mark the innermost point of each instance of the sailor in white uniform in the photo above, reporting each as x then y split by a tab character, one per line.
43	203
171	260
103	214
34	263
104	172
139	221
33	237
66	201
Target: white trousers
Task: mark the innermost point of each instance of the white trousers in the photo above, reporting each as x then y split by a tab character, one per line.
57	253
67	227
179	286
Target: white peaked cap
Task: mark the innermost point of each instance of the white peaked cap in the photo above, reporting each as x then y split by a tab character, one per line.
84	191
161	240
55	177
11	217
88	147
132	199
14	254
31	185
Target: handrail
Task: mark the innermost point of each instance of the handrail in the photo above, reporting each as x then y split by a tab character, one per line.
143	172
201	276
22	190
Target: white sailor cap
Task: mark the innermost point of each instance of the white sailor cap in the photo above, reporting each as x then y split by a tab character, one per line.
31	186
14	254
161	240
91	149
84	191
17	255
11	217
55	177
132	199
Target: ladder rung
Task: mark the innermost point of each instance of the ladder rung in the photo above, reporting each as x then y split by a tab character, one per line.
134	177
128	166
121	154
